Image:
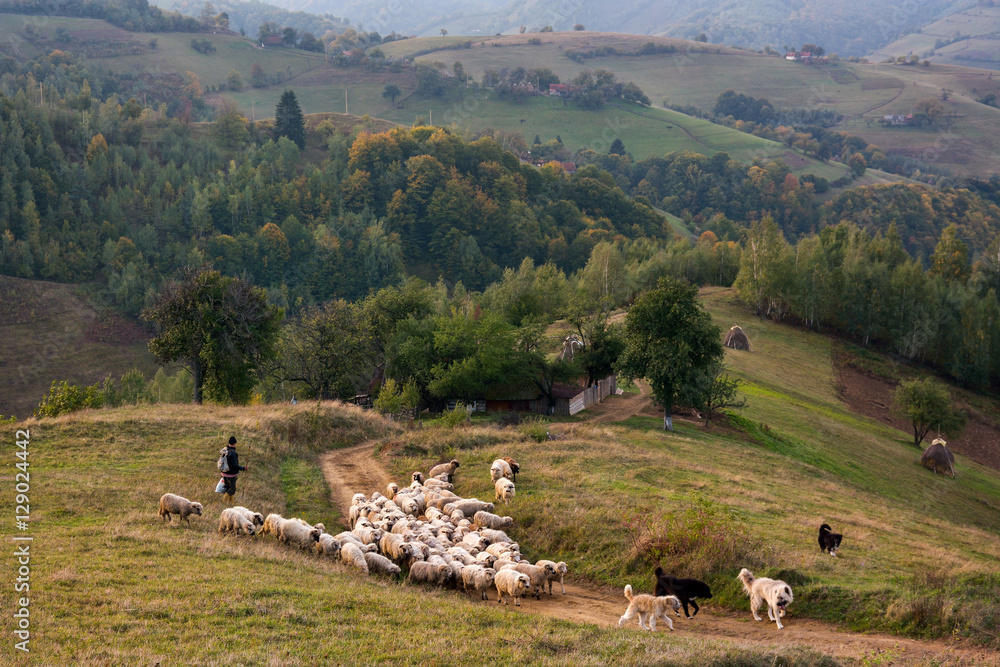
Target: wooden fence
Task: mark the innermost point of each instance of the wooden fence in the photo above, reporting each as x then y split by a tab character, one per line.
593	394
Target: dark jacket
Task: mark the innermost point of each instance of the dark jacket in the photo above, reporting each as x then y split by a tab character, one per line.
233	458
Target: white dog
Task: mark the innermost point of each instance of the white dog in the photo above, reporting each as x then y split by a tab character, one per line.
776	593
649	607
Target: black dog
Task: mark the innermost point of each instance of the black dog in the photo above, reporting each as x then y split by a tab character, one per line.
829	541
685	589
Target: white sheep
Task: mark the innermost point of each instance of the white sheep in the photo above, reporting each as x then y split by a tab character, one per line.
397	548
478	578
500	469
328	546
444	468
256	518
489	520
560	571
513	583
292	531
352	555
537	575
392	490
378	564
232	521
495	536
182	507
504	490
429	573
272	525
368	534
469	507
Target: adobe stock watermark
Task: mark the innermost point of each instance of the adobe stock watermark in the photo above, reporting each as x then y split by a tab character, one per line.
22	542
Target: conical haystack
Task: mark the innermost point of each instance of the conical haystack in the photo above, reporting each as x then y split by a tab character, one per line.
938	457
737	339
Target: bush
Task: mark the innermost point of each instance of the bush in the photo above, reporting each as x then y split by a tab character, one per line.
452	418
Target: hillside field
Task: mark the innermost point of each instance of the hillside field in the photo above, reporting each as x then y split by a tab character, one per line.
112	584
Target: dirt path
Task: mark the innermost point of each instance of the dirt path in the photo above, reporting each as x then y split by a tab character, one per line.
618	408
359	469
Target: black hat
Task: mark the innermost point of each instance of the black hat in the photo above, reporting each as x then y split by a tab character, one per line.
232	440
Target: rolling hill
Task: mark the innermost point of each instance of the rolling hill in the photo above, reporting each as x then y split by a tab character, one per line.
970	38
919	556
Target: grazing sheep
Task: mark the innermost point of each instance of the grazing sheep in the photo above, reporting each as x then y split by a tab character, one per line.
469	507
182	507
446	468
495	536
392	490
303	536
478	578
537	575
368	534
560	571
381	565
500	468
272	525
486	559
352	555
438	485
488	520
514	468
513	583
232	521
428	573
504	489
328	546
256	518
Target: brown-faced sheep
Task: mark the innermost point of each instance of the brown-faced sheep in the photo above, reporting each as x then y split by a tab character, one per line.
560	571
489	520
235	522
446	468
478	578
173	504
515	467
500	468
504	490
256	518
536	574
368	534
378	564
513	583
417	476
352	555
428	573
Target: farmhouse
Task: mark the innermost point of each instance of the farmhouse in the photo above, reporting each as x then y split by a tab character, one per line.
561	89
897	119
271	40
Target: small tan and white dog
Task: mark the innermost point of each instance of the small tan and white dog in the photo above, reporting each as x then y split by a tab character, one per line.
649	609
775	592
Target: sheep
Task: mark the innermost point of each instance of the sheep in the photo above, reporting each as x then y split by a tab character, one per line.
495	536
232	521
182	507
352	555
537	575
381	565
328	546
488	520
486	559
446	468
504	489
469	507
560	571
500	549
417	477
272	525
397	548
513	583
515	468
500	468
346	537
256	518
437	485
428	573
358	499
368	534
392	490
478	578
476	540
303	536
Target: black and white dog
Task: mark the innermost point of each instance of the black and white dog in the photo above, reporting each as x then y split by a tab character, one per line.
829	541
686	590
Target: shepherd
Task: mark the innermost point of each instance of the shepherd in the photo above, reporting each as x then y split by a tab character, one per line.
229	466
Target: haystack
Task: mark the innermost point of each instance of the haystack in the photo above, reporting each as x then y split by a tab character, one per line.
737	339
938	457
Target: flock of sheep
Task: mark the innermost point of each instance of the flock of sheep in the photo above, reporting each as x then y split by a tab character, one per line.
441	538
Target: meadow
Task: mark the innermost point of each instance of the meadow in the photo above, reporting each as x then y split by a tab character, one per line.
112	583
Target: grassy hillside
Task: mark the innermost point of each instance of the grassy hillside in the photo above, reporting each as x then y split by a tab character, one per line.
970	37
697	73
52	332
919	557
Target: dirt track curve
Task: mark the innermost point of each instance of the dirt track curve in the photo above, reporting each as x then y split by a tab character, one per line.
359	469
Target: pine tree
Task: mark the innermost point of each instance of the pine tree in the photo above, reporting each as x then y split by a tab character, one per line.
288	120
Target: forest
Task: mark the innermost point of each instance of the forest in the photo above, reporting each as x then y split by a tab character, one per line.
98	189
